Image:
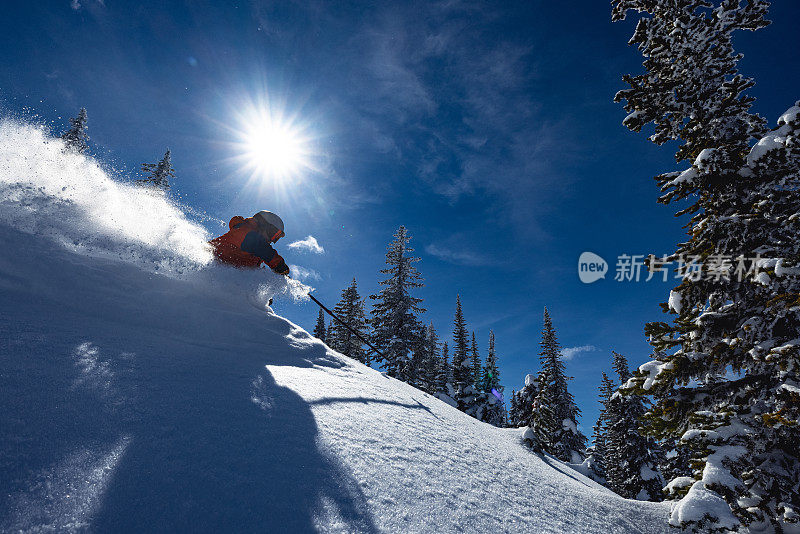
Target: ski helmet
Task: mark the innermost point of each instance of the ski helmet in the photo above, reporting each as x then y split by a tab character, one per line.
271	223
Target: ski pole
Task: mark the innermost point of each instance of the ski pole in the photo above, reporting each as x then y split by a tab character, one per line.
352	330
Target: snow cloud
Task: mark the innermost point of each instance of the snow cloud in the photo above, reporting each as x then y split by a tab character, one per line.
309	243
68	196
569	353
459	257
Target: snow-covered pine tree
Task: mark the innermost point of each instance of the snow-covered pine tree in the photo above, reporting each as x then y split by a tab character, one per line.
538	414
395	326
350	309
76	137
419	359
443	372
567	443
490	374
474	400
675	467
513	410
329	334
489	384
158	174
461	369
432	363
630	459
488	408
319	328
525	400
426	363
475	363
466	372
523	415
597	451
726	372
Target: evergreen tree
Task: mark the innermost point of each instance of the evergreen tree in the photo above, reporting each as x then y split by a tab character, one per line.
538	414
350	309
472	398
490	392
462	377
466	373
475	364
513	410
526	397
426	362
76	137
329	334
555	411
630	459
395	326
490	375
158	174
419	360
432	363
319	328
493	410
726	372
598	450
675	466
443	372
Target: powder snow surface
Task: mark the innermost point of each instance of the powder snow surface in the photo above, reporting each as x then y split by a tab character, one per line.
137	398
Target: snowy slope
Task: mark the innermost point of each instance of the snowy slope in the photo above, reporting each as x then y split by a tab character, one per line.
144	389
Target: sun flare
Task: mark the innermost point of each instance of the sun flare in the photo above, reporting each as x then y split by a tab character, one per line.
273	147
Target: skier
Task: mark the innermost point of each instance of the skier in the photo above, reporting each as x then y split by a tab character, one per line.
248	244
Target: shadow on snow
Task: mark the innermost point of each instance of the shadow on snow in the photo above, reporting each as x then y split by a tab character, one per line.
112	422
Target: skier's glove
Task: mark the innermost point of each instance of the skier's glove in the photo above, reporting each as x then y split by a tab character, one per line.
282	268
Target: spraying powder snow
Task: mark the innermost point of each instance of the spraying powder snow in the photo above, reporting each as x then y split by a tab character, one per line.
46	189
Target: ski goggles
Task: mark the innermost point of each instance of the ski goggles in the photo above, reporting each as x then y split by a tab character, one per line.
279	234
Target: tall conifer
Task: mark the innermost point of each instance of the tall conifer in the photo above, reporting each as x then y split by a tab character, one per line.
394	317
490	375
726	370
555	411
630	459
443	374
475	363
319	328
350	309
461	368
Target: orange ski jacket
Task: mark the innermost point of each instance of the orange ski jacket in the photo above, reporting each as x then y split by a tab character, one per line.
244	246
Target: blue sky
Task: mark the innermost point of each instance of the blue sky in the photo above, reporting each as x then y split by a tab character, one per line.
488	129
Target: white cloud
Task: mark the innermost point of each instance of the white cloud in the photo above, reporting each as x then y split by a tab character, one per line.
303	274
309	243
569	353
460	257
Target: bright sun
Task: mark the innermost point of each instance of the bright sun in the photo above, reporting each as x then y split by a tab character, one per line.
275	149
272	146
